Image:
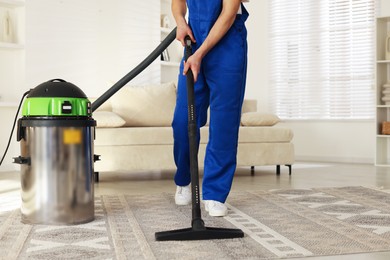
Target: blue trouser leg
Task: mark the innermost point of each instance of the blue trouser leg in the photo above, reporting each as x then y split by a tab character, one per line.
226	78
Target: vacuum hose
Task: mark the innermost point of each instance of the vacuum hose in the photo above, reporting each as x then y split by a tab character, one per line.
137	70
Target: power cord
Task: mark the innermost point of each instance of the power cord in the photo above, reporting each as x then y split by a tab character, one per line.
13	127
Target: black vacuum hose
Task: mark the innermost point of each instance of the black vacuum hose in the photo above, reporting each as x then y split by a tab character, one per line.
137	70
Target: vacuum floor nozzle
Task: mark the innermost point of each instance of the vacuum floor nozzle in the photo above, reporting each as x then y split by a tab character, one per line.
199	232
194	234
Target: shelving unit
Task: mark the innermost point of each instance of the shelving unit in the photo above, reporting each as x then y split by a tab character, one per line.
170	63
382	157
15	9
11	46
12	3
12	60
12	68
169	68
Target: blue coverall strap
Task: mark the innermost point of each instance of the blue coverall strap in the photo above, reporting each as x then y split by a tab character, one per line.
245	14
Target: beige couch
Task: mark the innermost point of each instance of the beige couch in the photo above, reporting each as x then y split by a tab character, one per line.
134	133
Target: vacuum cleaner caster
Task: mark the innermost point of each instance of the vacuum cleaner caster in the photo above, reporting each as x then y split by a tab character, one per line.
96	176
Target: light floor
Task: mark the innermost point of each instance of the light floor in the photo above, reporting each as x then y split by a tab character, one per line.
305	175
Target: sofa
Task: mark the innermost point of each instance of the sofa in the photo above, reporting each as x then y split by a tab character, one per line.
134	133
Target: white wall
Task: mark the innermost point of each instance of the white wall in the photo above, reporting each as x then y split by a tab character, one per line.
90	43
257	79
384	7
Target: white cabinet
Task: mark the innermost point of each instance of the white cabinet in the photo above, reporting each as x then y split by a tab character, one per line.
382	157
170	60
12	34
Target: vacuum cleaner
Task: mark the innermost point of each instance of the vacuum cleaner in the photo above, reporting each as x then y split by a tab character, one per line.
56	135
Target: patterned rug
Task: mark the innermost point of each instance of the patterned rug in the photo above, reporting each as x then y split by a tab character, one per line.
277	224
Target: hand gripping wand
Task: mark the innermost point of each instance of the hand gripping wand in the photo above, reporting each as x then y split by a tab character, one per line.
198	230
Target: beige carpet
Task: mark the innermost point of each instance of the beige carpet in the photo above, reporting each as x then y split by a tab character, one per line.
277	224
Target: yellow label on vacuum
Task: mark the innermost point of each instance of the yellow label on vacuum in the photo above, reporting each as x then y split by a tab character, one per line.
72	136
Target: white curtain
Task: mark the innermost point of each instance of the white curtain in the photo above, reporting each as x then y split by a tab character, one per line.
322	58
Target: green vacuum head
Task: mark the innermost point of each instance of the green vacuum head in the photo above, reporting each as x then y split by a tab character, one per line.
56	98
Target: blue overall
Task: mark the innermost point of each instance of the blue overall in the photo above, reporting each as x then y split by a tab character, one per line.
220	86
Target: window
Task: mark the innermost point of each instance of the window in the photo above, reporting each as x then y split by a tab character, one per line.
322	58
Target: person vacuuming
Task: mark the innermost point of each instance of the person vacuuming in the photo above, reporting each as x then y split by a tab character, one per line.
219	64
198	229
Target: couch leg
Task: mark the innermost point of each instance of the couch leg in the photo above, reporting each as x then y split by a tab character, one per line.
252	170
289	168
96	176
278	169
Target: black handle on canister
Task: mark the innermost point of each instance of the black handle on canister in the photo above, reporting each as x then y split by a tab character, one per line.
22	160
60	80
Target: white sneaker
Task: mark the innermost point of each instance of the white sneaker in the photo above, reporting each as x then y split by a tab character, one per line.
183	195
215	208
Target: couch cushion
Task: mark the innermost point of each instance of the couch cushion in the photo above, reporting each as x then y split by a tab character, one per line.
151	105
164	135
106	106
107	119
265	134
249	105
259	119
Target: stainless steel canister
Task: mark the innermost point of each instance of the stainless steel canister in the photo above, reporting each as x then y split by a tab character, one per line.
57	170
